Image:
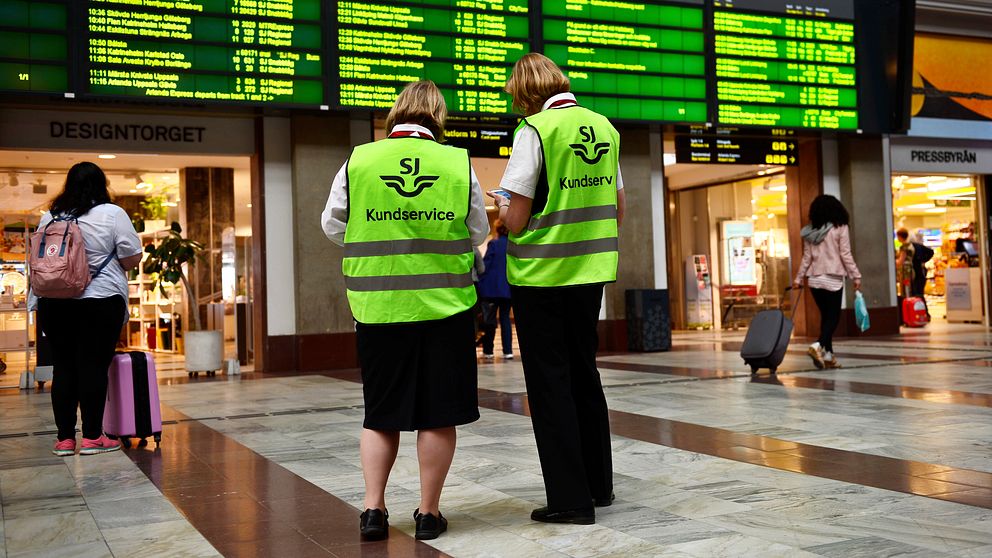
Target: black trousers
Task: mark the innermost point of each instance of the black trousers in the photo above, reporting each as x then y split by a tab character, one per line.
829	304
83	333
556	329
506	334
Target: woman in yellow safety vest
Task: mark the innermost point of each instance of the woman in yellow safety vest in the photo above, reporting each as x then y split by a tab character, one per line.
408	211
563	201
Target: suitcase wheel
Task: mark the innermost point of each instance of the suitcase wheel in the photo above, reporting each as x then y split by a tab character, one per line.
773	370
754	370
41	385
158	440
126	442
211	373
142	442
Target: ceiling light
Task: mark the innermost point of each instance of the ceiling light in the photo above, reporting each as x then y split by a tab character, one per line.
771	215
779	188
107	156
133	191
920	206
668	159
937	210
248	205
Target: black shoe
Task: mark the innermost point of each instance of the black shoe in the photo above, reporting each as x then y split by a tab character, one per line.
428	526
581	516
603	502
374	524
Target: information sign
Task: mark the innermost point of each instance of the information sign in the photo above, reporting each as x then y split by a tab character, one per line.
734	150
785	63
467	47
257	51
635	60
34	49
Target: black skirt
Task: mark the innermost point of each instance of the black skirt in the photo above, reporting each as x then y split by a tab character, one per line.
421	375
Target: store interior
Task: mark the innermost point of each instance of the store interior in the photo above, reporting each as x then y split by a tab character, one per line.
941	213
210	198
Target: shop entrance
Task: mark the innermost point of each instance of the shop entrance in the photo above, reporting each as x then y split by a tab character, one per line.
732	247
941	214
210	198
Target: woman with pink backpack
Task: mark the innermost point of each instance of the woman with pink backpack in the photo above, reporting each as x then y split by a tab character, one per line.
79	256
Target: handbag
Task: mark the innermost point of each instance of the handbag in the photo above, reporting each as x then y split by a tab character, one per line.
861	312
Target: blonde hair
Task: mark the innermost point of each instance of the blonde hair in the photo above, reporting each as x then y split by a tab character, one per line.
420	103
534	80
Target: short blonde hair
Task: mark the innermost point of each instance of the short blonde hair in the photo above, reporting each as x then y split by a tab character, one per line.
420	102
534	80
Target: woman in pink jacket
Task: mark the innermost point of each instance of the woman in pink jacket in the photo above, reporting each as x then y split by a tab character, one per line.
827	261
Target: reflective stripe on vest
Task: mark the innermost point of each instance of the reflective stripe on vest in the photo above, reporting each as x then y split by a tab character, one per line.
407	251
573	239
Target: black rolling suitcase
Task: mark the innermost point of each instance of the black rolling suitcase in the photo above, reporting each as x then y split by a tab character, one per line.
767	338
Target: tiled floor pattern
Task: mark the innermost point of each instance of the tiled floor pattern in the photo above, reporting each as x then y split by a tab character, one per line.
670	502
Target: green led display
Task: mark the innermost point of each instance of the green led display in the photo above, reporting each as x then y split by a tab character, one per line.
631	60
255	51
792	72
467	47
790	117
625	12
806	51
784	69
461	100
792	28
34	48
777	93
32	77
582	32
274	9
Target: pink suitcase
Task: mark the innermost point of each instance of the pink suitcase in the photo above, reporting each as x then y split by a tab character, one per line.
133	409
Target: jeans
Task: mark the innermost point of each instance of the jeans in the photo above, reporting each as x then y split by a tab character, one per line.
505	331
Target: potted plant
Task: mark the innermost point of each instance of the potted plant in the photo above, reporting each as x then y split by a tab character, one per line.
155	213
204	349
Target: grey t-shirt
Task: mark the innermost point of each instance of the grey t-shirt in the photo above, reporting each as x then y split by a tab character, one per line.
106	227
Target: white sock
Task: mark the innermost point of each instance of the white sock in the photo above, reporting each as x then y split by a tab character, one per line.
815	346
828	356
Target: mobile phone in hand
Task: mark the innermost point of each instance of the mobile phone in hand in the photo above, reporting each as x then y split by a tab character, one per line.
500	192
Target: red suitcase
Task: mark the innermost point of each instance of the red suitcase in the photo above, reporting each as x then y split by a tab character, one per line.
133	409
914	312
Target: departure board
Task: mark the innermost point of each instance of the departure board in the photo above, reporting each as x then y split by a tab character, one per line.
34	46
255	51
785	63
467	47
632	60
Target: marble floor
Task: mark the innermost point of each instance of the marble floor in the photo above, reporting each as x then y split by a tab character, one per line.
889	456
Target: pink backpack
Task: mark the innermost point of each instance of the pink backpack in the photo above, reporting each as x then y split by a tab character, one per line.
58	260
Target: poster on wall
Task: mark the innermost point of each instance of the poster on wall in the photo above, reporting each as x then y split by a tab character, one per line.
738	239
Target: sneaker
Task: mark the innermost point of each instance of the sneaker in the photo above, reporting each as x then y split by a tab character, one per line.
428	526
102	444
508	356
816	354
830	361
65	448
488	356
374	524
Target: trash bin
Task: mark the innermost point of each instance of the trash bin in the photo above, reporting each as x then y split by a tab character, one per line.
649	326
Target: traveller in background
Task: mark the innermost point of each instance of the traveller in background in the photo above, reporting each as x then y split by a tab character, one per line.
827	261
495	291
83	331
921	255
905	272
417	211
566	202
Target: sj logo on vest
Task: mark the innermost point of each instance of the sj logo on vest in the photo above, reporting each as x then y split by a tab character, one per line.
410	167
582	150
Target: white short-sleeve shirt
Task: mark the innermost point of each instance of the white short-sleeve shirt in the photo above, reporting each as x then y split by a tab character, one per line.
106	228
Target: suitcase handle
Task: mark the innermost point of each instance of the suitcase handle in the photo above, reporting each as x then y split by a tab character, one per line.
795	302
